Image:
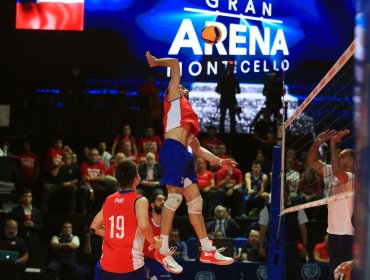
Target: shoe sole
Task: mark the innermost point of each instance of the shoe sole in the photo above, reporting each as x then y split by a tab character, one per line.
170	271
218	263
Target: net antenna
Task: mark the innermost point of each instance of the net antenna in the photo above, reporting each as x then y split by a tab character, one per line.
335	71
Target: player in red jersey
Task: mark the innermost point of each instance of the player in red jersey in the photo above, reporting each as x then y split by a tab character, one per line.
181	127
124	224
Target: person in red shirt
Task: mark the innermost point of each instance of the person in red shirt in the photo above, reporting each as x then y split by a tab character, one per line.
229	190
149	142
27	169
206	183
118	158
93	174
222	153
321	252
152	267
121	139
123	222
54	155
128	151
211	142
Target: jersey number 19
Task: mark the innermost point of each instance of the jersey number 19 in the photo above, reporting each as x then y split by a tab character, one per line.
117	227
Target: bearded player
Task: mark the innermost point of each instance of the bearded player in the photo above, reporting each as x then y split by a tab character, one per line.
181	127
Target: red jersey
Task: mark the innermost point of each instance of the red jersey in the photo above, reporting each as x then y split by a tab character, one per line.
322	250
27	166
150	143
156	232
211	144
93	169
236	177
111	170
178	112
121	140
53	154
123	241
204	178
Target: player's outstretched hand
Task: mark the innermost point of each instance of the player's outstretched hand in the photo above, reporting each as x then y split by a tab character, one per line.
343	271
157	243
326	135
339	135
151	59
226	163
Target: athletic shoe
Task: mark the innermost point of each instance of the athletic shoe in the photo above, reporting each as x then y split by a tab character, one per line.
168	262
214	257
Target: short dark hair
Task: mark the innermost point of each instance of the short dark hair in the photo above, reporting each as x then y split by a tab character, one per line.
126	172
26	191
256	162
154	196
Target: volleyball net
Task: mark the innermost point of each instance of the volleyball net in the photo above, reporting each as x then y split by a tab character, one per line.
317	142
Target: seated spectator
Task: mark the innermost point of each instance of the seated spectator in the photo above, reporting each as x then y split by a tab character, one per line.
64	178
321	251
54	155
27	169
291	179
228	226
219	235
11	242
206	184
229	190
104	155
129	153
261	131
93	175
251	248
211	142
266	164
28	218
122	138
64	246
150	174
180	248
118	158
309	186
222	153
149	142
256	182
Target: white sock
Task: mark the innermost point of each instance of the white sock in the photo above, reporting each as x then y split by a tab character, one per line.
206	244
164	247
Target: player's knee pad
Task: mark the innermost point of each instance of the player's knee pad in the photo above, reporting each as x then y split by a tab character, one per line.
195	206
173	201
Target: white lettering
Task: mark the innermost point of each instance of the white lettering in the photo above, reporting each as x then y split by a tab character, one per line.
256	67
212	3
212	68
285	65
199	68
250	7
266	9
243	69
279	43
186	29
232	5
263	43
265	69
235	39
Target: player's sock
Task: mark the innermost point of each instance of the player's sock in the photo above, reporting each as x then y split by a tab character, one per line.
206	244
164	247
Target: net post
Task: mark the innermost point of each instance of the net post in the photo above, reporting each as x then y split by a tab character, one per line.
276	258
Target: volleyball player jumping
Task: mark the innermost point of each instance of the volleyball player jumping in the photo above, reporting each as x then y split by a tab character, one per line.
181	127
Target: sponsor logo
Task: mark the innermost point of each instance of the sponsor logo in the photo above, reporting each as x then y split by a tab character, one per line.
205	275
310	272
262	272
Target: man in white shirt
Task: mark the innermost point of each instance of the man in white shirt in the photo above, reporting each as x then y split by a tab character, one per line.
340	177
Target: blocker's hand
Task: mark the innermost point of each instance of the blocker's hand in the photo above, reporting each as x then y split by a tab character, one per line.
326	135
343	271
226	163
152	60
338	136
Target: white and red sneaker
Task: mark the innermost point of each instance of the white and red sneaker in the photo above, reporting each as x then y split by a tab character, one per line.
214	257
168	261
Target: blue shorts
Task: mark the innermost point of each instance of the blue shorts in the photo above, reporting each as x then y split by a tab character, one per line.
177	164
101	274
156	269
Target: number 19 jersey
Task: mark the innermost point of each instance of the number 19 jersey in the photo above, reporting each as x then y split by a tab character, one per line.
123	241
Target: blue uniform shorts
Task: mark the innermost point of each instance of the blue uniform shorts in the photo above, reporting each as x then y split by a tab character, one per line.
177	164
101	274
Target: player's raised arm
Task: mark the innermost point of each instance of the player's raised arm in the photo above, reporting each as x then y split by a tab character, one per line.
173	63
